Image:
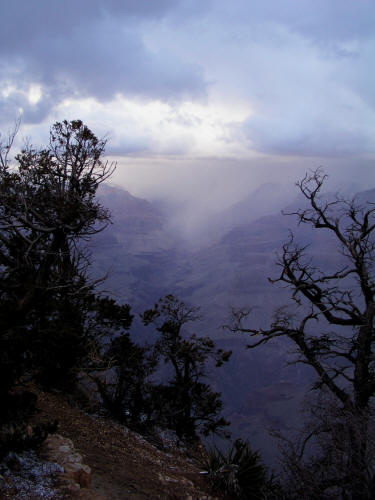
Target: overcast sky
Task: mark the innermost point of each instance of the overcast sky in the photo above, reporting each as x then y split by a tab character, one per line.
198	93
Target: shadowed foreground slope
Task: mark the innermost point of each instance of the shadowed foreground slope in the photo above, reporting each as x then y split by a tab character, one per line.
123	464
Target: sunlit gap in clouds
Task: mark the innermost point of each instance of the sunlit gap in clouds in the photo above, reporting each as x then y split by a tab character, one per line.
30	94
153	127
35	94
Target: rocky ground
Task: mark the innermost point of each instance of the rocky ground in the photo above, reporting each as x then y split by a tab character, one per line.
123	464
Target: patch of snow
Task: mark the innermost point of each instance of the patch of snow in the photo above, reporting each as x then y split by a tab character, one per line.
26	476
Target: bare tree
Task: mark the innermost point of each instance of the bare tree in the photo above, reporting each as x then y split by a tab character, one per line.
6	144
343	298
315	461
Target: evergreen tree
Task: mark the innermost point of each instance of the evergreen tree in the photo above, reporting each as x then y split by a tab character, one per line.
187	403
48	208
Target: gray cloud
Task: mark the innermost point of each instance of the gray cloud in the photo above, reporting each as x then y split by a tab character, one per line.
309	137
304	69
25	21
317	19
301	66
87	48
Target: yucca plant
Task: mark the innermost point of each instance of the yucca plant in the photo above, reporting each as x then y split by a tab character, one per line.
238	472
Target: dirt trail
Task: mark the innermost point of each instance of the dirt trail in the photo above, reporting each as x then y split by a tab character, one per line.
124	466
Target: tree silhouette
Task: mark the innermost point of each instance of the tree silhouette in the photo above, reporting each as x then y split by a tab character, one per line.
47	209
186	403
343	298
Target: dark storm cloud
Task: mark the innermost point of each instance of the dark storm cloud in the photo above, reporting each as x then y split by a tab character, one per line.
300	68
26	20
86	49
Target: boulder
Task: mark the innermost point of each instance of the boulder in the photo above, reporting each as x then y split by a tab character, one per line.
61	450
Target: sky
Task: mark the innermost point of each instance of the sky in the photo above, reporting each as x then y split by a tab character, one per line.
201	100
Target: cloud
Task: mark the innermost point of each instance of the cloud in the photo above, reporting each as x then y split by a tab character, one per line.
319	20
87	49
308	103
302	67
169	76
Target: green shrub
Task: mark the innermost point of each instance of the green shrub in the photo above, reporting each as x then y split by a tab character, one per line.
239	472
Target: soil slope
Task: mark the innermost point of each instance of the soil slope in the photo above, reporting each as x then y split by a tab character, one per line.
123	464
